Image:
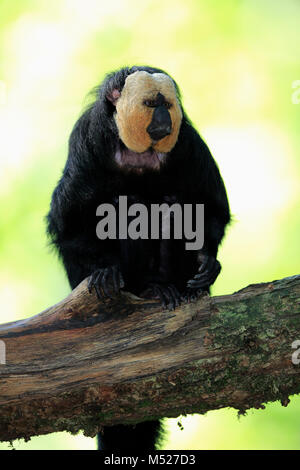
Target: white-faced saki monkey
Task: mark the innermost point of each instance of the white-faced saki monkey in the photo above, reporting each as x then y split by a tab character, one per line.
135	140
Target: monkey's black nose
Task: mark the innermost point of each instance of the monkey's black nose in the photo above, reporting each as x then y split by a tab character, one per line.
161	124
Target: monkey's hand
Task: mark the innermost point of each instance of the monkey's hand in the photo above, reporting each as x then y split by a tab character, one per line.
207	274
106	282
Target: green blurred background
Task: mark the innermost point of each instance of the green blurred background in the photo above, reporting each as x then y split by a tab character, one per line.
236	63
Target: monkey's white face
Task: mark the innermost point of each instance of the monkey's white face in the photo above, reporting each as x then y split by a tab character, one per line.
148	116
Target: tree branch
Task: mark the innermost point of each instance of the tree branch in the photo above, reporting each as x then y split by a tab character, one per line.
82	364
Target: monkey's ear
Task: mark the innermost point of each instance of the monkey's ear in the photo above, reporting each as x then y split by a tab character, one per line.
113	96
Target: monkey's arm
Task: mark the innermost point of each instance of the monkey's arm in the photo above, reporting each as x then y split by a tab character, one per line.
71	222
216	215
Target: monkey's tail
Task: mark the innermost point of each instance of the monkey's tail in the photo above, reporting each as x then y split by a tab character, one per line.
141	437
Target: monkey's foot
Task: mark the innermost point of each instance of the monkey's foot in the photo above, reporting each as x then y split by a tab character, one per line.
106	282
207	274
190	295
166	293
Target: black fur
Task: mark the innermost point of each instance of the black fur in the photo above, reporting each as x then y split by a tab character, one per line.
91	177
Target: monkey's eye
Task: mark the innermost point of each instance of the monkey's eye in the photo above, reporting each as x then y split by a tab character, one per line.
167	105
150	103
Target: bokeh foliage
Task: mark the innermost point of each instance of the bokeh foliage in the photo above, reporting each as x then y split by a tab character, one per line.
235	62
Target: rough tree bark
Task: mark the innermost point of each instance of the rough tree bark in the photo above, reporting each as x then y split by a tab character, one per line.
82	364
